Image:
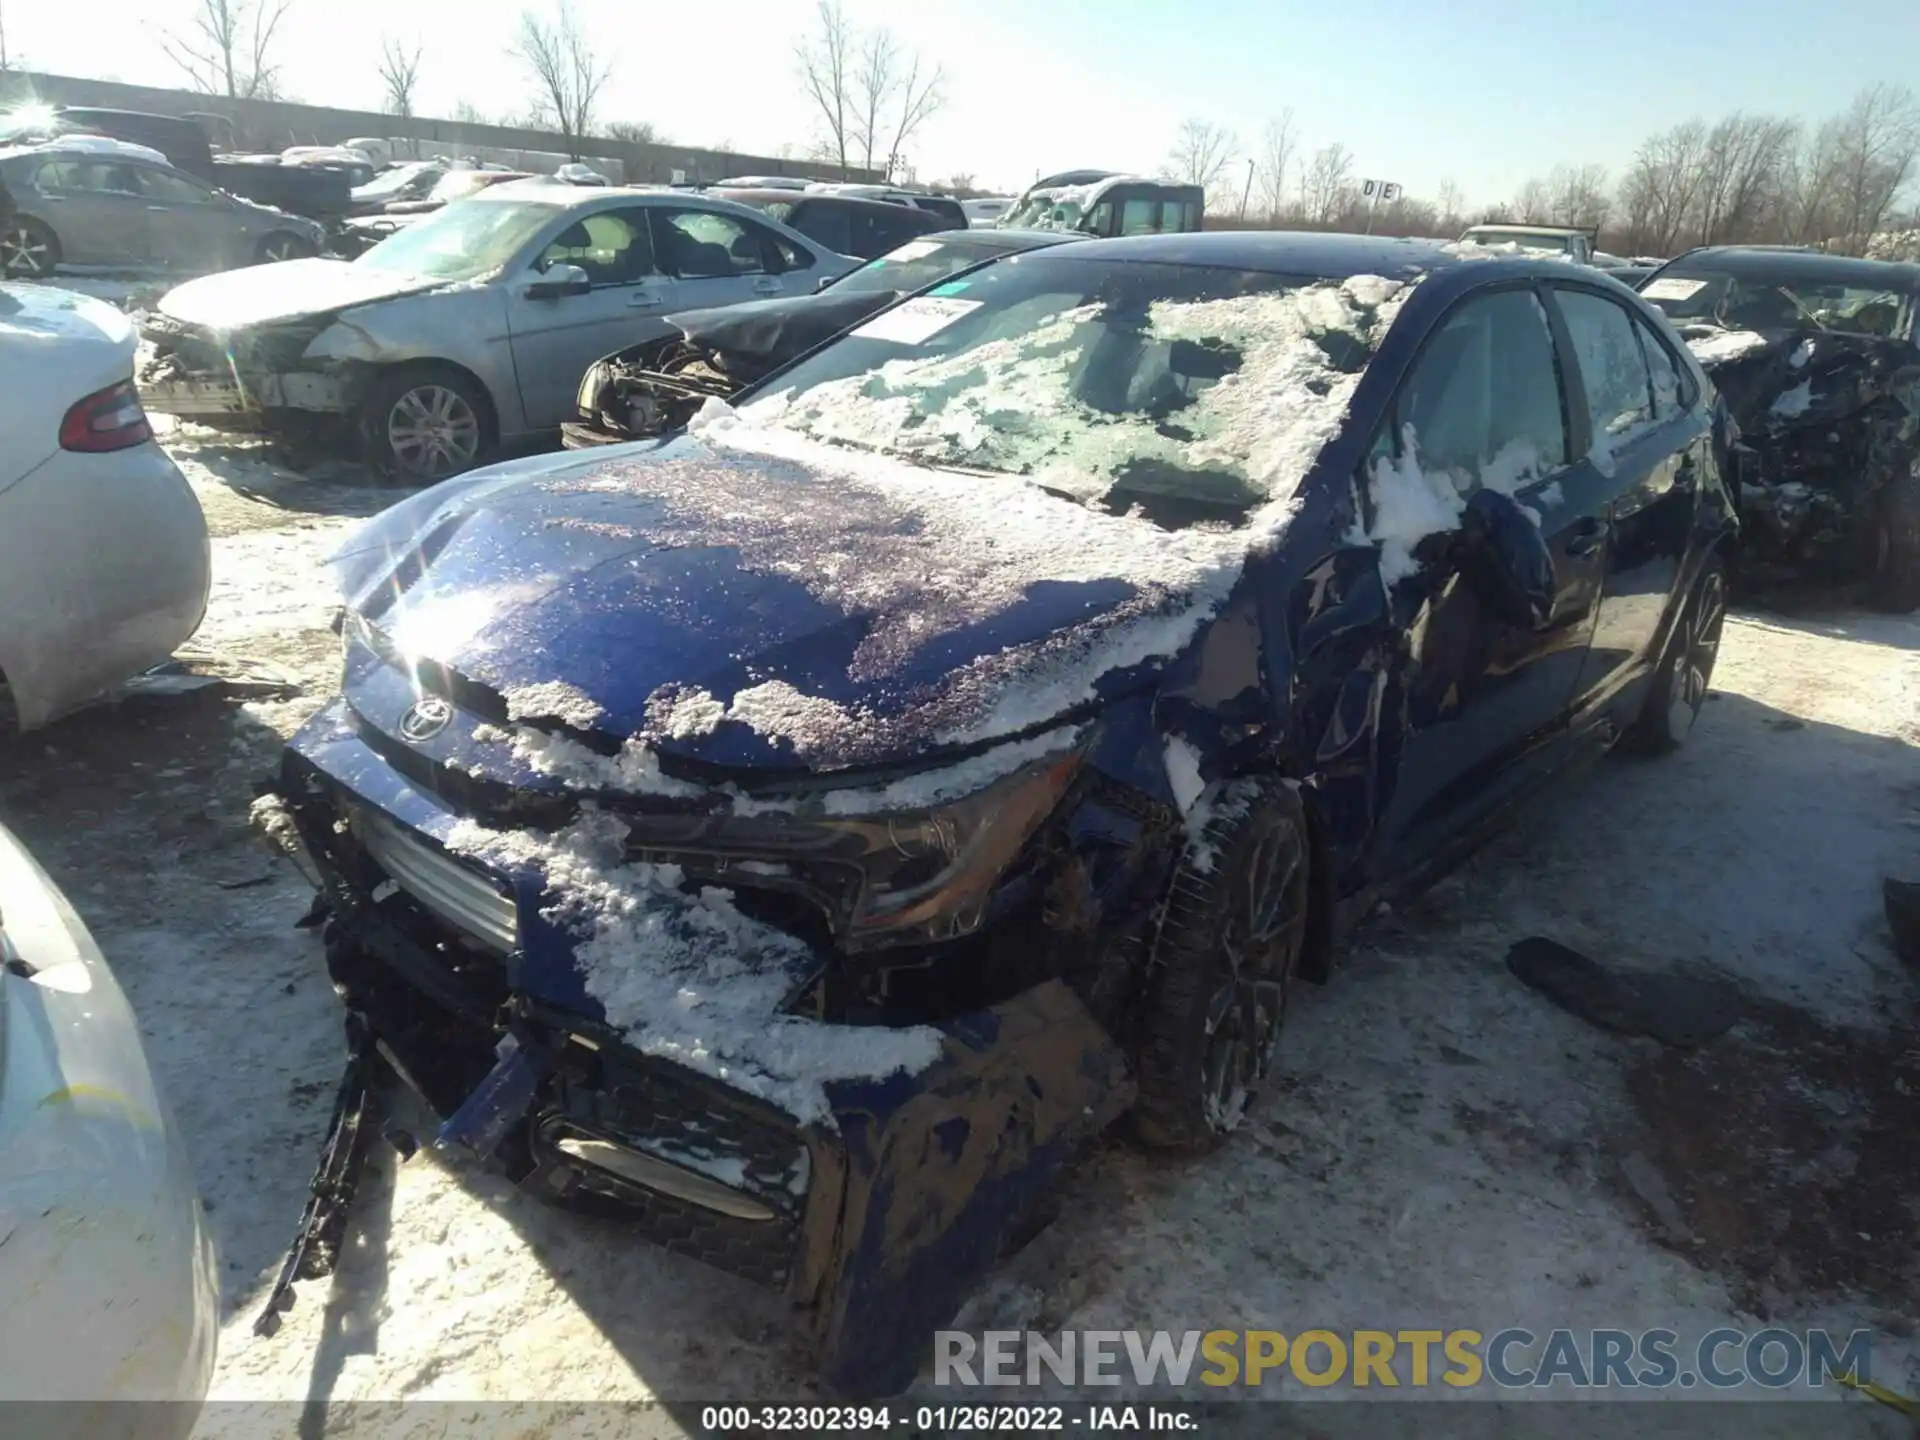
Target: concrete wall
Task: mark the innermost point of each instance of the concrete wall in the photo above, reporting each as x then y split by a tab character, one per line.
272	125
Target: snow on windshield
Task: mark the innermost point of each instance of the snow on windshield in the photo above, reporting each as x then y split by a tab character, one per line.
1723	344
1052	404
686	976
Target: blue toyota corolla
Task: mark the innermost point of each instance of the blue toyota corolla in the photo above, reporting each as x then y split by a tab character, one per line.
800	833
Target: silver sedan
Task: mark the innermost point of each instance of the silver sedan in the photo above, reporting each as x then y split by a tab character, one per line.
105	206
470	328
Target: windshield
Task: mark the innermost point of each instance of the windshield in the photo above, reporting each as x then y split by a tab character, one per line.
391	183
912	266
1700	295
1049	210
458	184
1193	393
461	242
1558	244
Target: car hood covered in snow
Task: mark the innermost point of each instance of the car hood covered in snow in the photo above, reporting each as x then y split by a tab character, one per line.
262	294
816	609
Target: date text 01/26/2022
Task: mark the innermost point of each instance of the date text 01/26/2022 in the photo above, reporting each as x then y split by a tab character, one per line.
942	1419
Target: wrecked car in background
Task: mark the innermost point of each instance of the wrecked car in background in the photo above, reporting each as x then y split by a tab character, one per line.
1818	358
646	389
89	201
465	330
368	225
799	834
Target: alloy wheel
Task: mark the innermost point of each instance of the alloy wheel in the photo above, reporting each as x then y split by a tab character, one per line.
1696	648
1265	925
24	252
433	432
281	247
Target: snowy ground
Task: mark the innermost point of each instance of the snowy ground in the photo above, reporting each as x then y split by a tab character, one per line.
1445	1149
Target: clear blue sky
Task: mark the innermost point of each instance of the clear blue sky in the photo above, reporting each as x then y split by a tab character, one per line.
1487	94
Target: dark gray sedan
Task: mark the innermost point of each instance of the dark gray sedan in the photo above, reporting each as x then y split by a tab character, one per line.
85	201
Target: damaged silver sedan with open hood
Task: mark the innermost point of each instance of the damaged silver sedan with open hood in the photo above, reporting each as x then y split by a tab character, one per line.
467	330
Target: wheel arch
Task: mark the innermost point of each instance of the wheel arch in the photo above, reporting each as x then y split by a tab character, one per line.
372	374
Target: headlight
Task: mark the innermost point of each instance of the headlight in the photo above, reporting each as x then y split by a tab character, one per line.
929	876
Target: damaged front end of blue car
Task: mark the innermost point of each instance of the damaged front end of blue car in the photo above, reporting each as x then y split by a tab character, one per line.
1011	923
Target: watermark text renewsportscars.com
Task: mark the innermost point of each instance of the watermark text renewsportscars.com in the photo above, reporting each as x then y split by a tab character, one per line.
1509	1359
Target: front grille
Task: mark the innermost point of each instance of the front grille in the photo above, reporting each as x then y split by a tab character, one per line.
466	900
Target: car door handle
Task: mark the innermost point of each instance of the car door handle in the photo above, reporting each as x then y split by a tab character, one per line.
768	286
158	209
640	300
1587	537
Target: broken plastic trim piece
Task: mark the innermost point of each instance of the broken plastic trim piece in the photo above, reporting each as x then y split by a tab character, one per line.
323	1223
661	1176
498	1102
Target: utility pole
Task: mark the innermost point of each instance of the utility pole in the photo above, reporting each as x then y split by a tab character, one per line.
1247	194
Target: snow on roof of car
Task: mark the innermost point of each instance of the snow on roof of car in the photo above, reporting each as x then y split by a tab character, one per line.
99	145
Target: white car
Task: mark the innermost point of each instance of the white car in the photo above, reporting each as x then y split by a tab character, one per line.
104	558
108	1286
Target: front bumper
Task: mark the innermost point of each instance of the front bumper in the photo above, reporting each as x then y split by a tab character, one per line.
211	394
876	1223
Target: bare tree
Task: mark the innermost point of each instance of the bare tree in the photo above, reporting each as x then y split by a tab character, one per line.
1326	184
1277	143
1533	202
1865	158
1660	194
920	95
567	74
1201	152
226	48
826	64
1577	196
399	72
465	112
1449	203
637	132
1743	164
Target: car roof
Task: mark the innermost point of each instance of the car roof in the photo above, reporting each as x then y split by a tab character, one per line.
795	197
1282	252
1812	265
1525	230
994	236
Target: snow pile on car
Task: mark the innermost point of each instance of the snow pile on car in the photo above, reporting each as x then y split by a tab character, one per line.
688	977
970	556
1711	347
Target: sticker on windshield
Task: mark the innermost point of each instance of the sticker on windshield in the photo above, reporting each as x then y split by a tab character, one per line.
916	321
912	250
952	287
1673	289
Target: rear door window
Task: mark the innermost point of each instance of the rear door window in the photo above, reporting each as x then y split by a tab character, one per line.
1613	367
164	186
614	247
1483	405
824	223
1673	390
706	245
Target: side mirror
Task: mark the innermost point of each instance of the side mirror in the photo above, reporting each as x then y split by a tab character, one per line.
1505	558
559	280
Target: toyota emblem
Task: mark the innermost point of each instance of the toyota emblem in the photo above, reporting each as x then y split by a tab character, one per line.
425	718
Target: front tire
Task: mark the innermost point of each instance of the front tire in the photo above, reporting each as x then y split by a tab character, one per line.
1223	968
1894	576
29	249
1680	684
423	423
